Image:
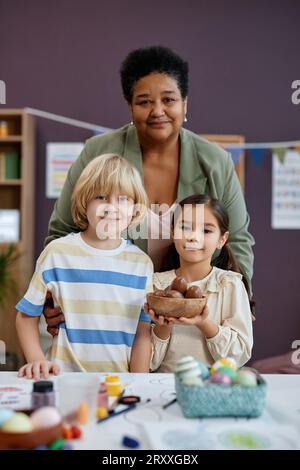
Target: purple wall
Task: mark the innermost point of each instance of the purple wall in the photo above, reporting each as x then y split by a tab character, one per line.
64	57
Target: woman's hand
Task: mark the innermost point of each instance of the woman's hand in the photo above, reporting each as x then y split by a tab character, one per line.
38	369
53	316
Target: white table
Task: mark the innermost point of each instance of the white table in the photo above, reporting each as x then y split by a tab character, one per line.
157	428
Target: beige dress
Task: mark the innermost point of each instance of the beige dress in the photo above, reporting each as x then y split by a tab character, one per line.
228	306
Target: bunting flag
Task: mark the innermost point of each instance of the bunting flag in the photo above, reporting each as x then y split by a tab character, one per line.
297	148
257	155
236	154
280	153
256	149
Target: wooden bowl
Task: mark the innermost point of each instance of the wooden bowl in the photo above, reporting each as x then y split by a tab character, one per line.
173	307
30	440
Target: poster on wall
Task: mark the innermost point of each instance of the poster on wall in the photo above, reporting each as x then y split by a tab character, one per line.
59	158
286	191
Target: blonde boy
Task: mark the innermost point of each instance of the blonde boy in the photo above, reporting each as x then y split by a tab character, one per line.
97	278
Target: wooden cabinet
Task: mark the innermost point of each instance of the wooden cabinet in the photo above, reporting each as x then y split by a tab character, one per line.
17	181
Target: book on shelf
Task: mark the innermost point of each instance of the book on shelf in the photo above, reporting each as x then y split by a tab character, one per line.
9	225
9	165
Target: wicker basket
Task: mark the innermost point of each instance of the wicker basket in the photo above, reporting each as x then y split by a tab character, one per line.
221	400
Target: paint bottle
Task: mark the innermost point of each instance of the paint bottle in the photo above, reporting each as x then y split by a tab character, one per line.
114	386
43	394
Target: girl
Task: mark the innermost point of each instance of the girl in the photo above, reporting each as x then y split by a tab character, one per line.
97	278
224	328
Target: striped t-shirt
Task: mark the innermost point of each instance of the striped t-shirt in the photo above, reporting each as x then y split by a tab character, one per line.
101	293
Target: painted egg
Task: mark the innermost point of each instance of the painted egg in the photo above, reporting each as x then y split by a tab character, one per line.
195	372
5	415
188	370
227	371
246	378
204	371
191	376
215	367
229	362
224	362
187	366
193	381
45	417
19	422
220	379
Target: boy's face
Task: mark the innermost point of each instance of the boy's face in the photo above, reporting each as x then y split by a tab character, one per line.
109	215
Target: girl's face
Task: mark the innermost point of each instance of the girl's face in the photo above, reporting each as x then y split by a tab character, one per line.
197	234
109	215
157	107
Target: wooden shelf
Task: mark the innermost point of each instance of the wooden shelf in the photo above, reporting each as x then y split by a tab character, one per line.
18	194
11	182
11	138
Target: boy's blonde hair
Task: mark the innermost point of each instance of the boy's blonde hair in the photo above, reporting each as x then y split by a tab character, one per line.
105	175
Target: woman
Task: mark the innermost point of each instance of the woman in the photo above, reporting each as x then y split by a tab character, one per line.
173	162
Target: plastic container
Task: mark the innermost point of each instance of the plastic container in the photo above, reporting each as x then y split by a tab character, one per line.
76	390
221	400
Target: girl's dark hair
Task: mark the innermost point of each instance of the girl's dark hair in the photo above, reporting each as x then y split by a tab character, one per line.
226	259
156	59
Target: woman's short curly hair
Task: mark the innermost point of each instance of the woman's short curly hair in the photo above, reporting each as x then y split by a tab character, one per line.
155	59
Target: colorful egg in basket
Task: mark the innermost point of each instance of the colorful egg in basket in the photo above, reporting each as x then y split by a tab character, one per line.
220	397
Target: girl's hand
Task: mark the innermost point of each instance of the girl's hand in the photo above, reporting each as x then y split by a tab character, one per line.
198	320
38	369
158	319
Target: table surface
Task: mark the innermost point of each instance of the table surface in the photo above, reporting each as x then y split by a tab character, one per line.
157	428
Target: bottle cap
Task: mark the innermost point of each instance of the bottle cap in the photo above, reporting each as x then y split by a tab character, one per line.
43	386
112	379
130	442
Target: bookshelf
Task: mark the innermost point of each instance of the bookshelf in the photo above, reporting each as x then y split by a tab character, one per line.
17	181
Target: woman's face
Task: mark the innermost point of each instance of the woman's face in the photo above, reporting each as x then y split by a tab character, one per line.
157	107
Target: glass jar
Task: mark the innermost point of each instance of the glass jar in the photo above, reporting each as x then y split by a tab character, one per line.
43	394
